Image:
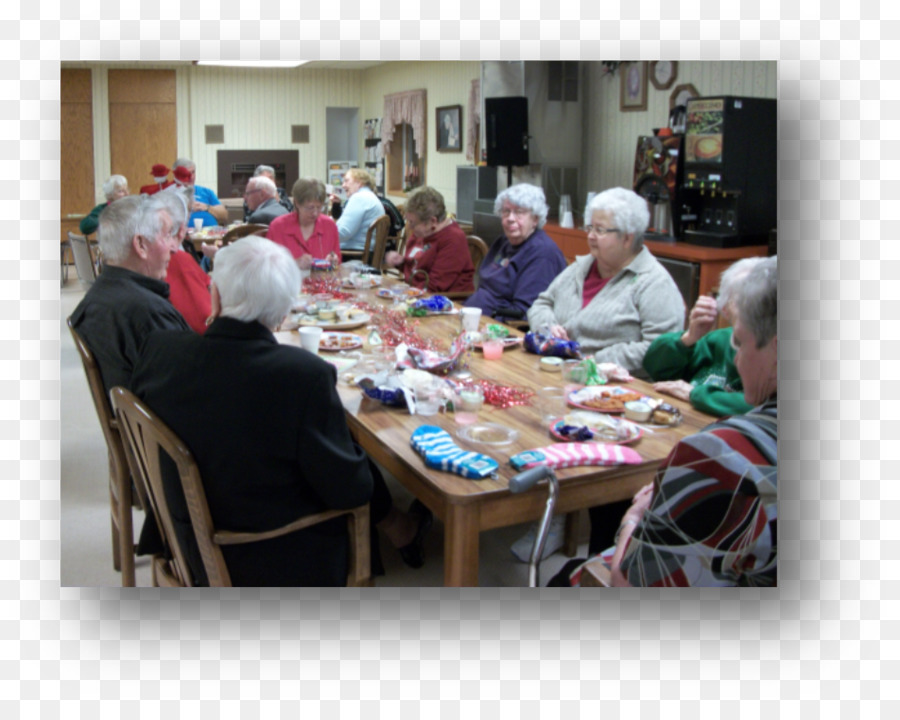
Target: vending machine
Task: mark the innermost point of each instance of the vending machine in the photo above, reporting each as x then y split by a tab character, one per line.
729	191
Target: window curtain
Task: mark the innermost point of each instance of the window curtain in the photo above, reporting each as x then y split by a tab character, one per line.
473	120
404	107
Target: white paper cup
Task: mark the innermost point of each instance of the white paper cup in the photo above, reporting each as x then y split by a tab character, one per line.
567	220
470	317
198	223
310	337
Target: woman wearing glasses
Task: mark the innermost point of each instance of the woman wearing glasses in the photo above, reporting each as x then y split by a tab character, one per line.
617	299
306	232
523	261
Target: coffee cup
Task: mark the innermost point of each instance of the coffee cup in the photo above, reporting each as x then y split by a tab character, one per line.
310	337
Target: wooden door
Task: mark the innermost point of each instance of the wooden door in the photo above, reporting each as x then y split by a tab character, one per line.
142	130
77	195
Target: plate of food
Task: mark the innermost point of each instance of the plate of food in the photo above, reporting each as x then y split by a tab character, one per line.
412	292
361	282
590	426
604	399
355	319
337	341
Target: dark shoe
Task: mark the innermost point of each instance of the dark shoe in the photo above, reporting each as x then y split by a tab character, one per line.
414	554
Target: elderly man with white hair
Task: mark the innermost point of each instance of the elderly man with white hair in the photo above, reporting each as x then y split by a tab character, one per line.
265	423
261	197
130	298
207	206
114	188
284	199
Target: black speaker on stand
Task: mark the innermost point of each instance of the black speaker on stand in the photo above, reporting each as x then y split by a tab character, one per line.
506	132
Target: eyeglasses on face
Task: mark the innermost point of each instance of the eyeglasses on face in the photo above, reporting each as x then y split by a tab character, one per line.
598	230
311	208
517	211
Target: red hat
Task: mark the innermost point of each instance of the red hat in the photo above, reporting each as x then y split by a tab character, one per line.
183	175
159	170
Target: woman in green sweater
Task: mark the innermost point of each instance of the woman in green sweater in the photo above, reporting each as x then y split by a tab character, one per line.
698	365
114	188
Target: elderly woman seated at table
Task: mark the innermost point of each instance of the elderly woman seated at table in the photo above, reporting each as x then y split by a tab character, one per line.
114	188
520	263
306	232
698	364
361	209
437	253
710	516
617	299
266	426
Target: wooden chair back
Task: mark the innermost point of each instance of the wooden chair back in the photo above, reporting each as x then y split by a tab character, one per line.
146	436
84	259
478	249
376	242
120	495
236	233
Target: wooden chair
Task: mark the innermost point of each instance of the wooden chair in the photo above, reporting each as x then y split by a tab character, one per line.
84	259
146	436
596	574
236	233
120	495
376	242
477	249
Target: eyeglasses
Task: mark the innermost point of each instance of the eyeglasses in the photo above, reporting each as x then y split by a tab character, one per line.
597	230
517	211
311	209
247	193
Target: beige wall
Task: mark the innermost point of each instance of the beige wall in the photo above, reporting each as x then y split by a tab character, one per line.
257	109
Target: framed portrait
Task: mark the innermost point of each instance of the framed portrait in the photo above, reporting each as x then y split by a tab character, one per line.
449	128
663	73
633	86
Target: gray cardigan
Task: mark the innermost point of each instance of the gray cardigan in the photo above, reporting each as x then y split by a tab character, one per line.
640	303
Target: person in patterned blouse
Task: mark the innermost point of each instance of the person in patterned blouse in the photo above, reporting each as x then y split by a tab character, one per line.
710	516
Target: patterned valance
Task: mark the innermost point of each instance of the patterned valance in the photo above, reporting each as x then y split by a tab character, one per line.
473	119
404	107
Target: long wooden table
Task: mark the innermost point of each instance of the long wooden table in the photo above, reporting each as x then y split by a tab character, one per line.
467	507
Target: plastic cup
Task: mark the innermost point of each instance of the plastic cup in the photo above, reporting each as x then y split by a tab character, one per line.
466	404
469	317
428	398
198	223
551	403
493	349
310	338
574	372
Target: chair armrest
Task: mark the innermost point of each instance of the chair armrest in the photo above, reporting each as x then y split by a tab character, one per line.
596	574
227	537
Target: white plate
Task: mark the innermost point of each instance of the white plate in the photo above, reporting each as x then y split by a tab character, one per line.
337	341
353	322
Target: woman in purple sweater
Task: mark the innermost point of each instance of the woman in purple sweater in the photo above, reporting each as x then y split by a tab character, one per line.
523	261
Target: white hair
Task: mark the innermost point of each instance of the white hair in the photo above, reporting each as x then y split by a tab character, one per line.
757	301
257	280
263	183
260	169
523	195
177	200
627	210
732	277
122	220
115	182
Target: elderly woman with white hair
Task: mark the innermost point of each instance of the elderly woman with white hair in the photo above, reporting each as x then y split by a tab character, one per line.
114	188
617	299
265	424
698	364
520	263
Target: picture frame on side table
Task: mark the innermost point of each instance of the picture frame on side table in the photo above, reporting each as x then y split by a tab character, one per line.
633	87
448	120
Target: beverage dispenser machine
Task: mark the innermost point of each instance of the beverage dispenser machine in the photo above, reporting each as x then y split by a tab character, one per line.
729	193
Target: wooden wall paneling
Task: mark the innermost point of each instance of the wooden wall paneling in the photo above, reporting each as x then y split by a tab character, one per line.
77	143
142	123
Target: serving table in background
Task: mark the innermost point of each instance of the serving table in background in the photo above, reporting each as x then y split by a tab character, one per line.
467	507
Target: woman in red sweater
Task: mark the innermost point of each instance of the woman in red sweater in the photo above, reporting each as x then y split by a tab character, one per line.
437	253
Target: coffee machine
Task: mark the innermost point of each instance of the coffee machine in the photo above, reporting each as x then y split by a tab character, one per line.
729	189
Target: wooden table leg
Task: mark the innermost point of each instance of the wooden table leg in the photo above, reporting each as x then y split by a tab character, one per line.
461	546
570	545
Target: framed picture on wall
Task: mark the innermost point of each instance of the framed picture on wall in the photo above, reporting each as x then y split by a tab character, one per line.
681	94
449	121
663	74
633	87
